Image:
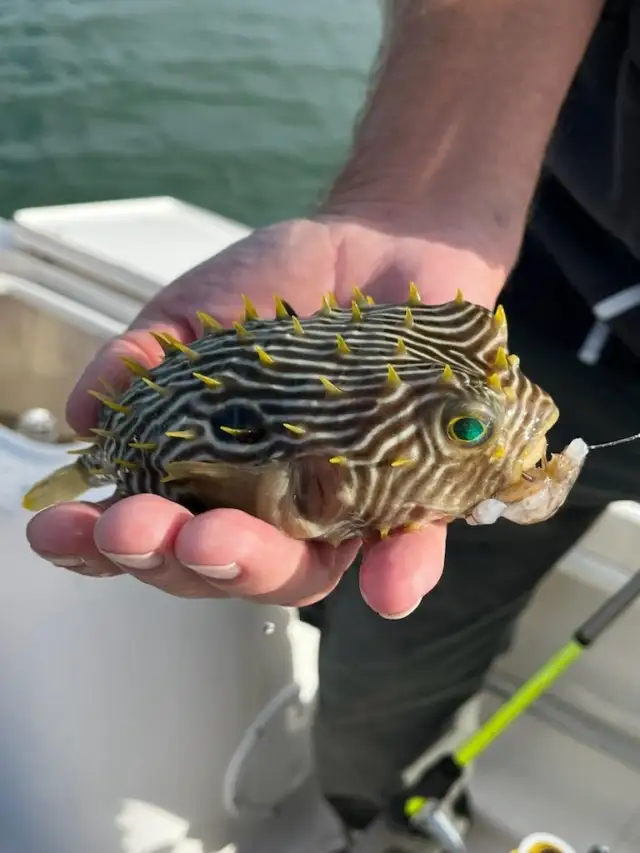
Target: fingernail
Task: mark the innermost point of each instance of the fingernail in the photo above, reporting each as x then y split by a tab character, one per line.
67	562
403	614
88	572
390	615
150	560
219	573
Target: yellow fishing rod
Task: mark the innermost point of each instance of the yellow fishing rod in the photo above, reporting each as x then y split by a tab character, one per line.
584	637
422	807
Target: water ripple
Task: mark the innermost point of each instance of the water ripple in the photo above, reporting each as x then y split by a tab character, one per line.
239	105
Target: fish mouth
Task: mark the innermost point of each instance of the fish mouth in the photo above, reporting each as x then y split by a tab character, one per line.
534	459
531	463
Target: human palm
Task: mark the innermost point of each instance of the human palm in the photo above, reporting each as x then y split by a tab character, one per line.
225	552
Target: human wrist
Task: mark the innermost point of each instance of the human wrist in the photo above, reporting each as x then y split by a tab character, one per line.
464	99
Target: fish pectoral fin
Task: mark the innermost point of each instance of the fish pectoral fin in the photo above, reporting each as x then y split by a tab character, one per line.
217	484
197	470
64	484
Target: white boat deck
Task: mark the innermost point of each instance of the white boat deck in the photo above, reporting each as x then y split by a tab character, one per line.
571	768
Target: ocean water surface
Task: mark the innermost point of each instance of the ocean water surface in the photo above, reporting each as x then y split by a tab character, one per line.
242	106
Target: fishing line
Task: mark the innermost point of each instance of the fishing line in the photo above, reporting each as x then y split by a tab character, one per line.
617	441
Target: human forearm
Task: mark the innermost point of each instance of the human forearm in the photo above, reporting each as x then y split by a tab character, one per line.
461	111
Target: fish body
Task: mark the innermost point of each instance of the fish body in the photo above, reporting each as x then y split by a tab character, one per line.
350	423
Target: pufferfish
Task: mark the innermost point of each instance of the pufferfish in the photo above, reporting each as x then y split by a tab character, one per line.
353	422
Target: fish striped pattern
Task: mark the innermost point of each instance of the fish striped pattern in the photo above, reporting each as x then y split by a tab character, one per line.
365	393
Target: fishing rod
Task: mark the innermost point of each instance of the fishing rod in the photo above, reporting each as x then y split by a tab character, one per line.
424	808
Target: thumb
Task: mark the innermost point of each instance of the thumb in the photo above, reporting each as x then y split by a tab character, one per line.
108	369
292	258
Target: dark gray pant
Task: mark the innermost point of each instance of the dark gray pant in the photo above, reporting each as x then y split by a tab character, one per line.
390	689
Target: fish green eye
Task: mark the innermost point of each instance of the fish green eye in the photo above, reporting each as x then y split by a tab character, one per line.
467	429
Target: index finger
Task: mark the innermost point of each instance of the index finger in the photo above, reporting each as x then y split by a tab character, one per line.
138	344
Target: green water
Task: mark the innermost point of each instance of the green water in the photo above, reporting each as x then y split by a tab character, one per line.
242	106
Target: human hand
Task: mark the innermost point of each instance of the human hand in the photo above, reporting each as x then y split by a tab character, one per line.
225	552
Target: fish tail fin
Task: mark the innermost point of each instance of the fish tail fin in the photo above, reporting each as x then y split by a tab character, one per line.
64	484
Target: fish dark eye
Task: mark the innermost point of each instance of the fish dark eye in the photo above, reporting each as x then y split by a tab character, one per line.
239	423
467	429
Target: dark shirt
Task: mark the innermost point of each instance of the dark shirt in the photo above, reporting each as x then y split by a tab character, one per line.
582	249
